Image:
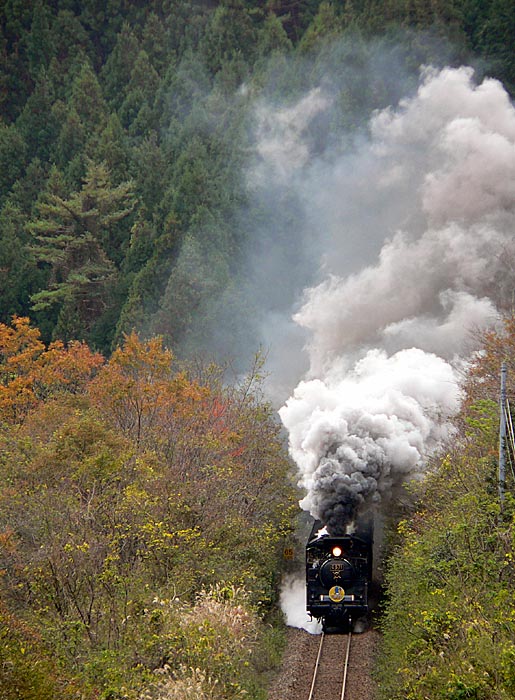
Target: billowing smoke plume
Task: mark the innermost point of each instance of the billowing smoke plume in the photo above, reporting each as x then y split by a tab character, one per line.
357	437
432	192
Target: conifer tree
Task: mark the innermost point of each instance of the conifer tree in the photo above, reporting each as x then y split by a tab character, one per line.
87	98
12	157
71	139
73	237
112	149
37	124
18	273
39	41
117	70
272	37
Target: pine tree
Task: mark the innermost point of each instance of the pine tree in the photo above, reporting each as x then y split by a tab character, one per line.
117	70
71	139
497	40
12	157
39	41
231	35
154	42
112	149
37	124
272	37
141	92
70	238
326	25
87	99
18	273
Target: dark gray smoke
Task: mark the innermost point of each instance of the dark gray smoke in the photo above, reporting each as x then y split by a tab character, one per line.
338	496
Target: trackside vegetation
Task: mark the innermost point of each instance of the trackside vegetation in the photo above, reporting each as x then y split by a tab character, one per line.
143	509
449	619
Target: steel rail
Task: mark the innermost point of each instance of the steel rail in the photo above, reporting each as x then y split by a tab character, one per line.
317	664
346	666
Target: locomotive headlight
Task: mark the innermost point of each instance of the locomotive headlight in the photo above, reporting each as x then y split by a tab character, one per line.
337	552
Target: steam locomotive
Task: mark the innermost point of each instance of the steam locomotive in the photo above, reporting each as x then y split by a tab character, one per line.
338	574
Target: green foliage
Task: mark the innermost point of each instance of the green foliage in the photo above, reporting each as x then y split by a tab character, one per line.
137	527
37	124
27	669
155	92
449	617
39	41
498	27
74	238
12	157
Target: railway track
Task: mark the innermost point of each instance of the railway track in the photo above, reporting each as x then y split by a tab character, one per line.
331	668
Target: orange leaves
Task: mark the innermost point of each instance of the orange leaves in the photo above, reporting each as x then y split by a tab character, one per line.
70	367
20	345
138	391
134	386
30	373
135	479
497	346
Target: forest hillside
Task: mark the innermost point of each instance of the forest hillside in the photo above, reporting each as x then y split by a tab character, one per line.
128	140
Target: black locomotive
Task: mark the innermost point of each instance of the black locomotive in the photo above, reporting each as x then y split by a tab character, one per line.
338	574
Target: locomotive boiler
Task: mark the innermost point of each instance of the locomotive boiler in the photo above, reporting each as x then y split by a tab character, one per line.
338	575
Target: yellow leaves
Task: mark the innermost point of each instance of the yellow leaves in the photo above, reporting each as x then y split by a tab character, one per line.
150	356
19	344
74	547
135	495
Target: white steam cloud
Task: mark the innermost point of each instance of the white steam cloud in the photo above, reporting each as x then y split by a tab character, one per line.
293	605
280	145
432	190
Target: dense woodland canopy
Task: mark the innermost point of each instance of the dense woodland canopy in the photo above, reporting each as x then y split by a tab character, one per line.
125	136
144	502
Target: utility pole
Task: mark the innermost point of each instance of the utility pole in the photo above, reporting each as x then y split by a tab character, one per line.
502	435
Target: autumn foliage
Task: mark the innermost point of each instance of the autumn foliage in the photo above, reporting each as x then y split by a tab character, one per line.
129	482
31	372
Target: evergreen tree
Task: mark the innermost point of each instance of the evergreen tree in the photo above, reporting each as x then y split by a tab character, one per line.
326	25
117	70
87	99
18	274
141	92
72	138
72	238
497	40
12	157
230	35
27	189
71	42
39	42
112	149
272	37
154	42
150	171
37	124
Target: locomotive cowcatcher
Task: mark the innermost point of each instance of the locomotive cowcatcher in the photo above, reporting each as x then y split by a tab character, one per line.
338	574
